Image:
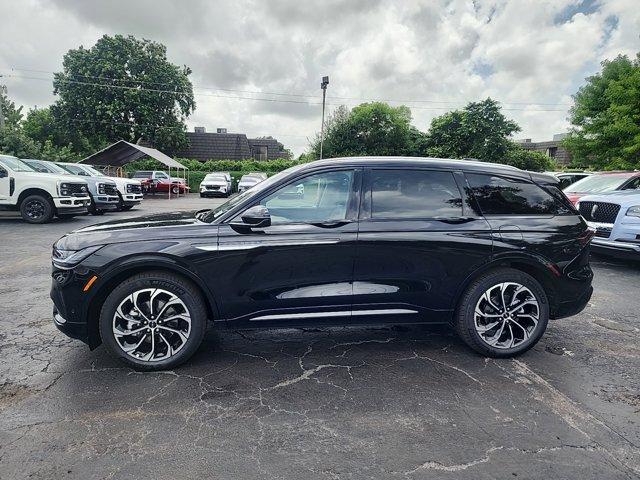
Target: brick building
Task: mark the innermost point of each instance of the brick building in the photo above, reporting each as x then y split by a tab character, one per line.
552	148
221	145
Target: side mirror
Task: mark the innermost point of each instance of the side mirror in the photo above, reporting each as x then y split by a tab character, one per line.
255	217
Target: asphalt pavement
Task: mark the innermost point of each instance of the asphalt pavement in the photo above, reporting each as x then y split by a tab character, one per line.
339	403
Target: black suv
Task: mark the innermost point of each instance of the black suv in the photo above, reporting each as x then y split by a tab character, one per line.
493	250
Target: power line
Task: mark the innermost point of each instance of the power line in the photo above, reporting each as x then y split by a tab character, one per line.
299	95
239	97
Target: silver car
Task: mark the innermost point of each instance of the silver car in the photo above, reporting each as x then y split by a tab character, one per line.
251	179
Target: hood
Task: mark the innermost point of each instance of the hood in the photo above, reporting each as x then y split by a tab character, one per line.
123	181
38	176
222	183
164	225
620	197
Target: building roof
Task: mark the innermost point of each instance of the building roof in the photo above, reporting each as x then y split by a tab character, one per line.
122	152
206	146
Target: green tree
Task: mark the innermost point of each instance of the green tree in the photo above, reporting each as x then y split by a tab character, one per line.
12	139
368	129
606	117
55	143
124	88
480	130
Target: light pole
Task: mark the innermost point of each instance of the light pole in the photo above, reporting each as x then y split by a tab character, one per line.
3	89
323	85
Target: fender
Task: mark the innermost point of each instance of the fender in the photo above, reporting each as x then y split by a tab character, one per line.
537	262
163	262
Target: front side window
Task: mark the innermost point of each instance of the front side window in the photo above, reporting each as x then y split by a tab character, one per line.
322	197
414	194
76	170
512	196
162	175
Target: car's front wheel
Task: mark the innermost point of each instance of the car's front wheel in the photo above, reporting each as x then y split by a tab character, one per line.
36	209
153	321
502	313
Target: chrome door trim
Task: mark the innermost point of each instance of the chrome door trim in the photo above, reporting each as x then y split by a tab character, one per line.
341	313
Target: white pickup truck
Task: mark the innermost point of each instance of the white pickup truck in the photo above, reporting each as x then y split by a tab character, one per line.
40	196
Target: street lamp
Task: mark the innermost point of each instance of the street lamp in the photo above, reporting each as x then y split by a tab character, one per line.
323	86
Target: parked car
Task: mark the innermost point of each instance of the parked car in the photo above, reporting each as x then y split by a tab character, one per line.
491	249
216	184
569	178
615	217
602	183
129	191
102	190
39	196
250	180
158	181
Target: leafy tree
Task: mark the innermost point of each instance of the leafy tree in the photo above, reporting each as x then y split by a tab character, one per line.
480	130
606	117
124	88
369	129
12	140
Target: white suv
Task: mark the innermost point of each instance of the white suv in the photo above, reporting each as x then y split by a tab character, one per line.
615	217
40	196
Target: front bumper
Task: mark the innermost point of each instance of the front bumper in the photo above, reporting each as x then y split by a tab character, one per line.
70	304
106	202
131	198
72	205
621	239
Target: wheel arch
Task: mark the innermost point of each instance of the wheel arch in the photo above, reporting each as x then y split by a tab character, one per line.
532	266
120	273
33	191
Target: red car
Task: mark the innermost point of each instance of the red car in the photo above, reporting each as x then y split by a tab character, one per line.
602	183
158	181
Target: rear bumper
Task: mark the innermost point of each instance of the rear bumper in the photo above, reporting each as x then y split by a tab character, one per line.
573	307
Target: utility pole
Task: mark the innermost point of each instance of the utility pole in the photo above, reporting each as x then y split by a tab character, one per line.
3	89
323	86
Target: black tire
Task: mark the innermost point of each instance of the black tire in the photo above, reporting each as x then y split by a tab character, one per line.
126	208
37	209
93	210
121	206
186	291
464	319
175	190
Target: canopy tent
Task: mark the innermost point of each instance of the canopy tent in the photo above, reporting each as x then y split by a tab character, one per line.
120	153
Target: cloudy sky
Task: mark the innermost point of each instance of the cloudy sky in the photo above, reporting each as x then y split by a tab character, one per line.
433	55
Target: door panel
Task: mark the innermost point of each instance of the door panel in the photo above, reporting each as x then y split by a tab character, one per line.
302	263
416	264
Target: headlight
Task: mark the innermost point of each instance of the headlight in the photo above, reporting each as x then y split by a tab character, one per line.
63	189
633	211
101	188
70	258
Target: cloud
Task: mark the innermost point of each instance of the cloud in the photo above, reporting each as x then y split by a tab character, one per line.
441	53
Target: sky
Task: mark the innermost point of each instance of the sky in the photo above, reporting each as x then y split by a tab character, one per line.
257	64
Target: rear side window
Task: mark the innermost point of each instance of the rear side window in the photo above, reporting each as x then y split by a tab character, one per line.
414	194
512	196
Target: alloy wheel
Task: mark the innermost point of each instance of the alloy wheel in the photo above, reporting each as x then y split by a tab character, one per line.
35	209
506	315
151	324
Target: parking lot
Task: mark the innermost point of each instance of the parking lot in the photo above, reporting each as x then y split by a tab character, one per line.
353	403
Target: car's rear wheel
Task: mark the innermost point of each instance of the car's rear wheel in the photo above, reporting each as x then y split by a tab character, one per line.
175	189
153	321
502	313
36	209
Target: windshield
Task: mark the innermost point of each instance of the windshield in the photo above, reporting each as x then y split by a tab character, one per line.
597	184
93	171
211	215
141	175
46	167
16	165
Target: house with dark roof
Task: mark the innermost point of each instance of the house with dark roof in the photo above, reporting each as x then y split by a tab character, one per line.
222	145
551	148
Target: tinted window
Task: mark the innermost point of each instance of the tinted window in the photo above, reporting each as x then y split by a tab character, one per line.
317	198
510	196
414	194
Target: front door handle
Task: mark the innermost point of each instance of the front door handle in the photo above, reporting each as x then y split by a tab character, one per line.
455	220
331	224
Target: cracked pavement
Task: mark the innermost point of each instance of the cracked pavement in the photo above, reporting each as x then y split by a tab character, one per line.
352	403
